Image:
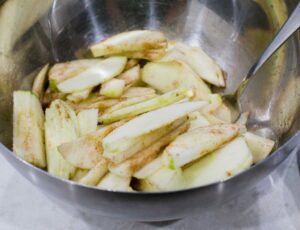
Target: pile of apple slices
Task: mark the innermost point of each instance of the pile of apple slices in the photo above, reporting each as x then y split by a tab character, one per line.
139	116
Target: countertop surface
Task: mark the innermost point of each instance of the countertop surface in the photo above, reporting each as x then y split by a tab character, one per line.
273	204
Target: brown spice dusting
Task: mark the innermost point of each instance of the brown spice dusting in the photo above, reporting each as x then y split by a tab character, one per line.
175	84
228	173
216	131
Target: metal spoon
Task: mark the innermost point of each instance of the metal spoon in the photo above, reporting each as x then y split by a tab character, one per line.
287	30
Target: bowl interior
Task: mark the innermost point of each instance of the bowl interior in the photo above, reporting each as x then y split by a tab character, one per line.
233	32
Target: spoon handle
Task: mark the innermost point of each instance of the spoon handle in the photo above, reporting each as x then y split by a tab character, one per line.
289	27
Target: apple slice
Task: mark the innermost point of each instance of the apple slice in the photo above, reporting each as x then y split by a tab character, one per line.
138	92
88	121
197	143
128	102
149	169
86	151
132	41
130	134
223	113
209	111
39	82
198	60
63	71
113	88
213	120
140	143
50	96
130	166
80	173
95	102
197	120
115	183
131	76
215	101
167	76
61	126
164	179
79	96
104	71
145	106
150	55
95	174
28	128
226	162
101	105
260	147
131	63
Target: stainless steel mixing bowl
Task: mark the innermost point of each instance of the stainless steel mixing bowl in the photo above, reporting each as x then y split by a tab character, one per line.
233	32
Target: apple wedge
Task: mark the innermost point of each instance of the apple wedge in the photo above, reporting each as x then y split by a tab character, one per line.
61	126
88	121
226	162
99	103
145	106
28	128
94	97
86	152
50	96
132	41
149	169
130	134
39	82
63	71
140	143
213	120
197	120
104	71
215	101
79	96
164	179
128	102
131	76
211	111
94	175
80	173
150	55
130	166
167	76
198	60
223	113
131	63
113	88
138	92
115	183
260	147
196	143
